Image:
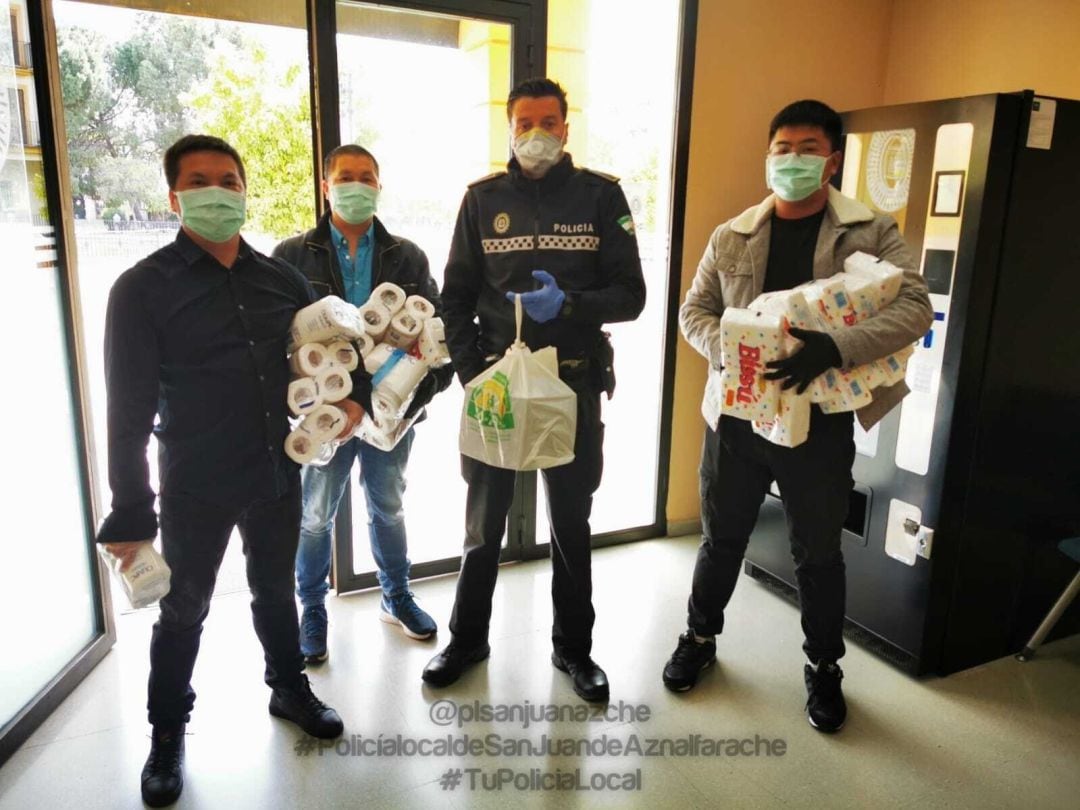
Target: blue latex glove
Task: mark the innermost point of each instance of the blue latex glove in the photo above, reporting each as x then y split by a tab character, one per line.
544	304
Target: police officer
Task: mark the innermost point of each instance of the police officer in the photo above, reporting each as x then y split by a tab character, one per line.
549	224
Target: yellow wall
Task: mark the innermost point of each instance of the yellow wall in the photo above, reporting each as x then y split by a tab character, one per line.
850	54
948	48
744	73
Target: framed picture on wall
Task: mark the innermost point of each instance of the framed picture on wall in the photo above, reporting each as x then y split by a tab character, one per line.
948	193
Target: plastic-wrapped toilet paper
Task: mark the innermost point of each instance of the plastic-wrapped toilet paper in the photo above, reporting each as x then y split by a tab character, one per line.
431	344
749	341
342	353
887	277
334	384
365	345
324	423
383	432
791	425
301	446
375	318
390	296
394	383
324	320
303	395
309	360
419	307
403	331
374	359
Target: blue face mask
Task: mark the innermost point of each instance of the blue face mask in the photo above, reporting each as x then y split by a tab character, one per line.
794	177
214	213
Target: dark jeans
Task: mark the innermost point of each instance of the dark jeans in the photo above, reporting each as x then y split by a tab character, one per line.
569	499
815	481
194	535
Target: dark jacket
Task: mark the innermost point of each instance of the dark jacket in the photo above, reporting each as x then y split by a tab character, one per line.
395	259
575	224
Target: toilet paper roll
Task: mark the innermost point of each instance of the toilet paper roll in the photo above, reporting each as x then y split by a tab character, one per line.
364	345
303	395
376	320
749	340
896	365
394	383
384	433
374	359
301	446
309	360
390	296
343	354
326	452
324	423
403	331
431	344
324	320
334	384
419	307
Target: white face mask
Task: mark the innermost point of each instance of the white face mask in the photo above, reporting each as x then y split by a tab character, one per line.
537	151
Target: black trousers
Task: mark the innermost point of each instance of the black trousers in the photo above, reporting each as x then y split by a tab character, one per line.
815	482
569	502
194	535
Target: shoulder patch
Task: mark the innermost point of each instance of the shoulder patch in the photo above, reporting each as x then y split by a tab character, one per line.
488	178
609	177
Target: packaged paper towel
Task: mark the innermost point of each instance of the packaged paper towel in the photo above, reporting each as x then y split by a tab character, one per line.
431	345
886	277
395	382
749	340
791	425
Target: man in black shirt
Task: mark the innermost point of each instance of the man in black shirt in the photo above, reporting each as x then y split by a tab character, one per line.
196	334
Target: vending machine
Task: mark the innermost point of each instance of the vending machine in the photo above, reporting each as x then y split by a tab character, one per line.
963	491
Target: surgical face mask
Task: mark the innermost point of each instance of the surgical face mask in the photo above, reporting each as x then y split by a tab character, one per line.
537	151
214	213
794	177
354	202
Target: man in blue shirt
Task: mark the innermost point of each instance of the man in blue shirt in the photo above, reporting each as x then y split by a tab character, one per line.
347	254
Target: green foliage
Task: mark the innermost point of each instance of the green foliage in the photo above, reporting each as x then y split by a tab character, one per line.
264	112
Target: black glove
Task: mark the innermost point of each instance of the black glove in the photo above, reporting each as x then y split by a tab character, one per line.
425	392
817	355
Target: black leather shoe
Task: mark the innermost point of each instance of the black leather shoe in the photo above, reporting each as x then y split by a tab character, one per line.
590	682
689	660
825	706
448	665
163	773
300	705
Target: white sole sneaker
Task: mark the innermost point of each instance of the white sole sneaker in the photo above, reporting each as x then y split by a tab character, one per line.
390	618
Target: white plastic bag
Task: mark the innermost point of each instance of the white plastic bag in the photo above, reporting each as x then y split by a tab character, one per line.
518	414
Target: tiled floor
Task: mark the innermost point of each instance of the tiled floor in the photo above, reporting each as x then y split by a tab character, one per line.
1005	735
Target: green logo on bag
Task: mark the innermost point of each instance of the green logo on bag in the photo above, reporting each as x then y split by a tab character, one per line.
489	403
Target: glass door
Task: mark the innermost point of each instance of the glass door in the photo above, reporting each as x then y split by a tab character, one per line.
423	87
56	623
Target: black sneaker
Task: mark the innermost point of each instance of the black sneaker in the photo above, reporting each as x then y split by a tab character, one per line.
448	665
163	773
590	682
300	705
690	659
825	706
313	634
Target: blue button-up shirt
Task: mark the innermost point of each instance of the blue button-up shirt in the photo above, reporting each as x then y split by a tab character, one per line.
355	270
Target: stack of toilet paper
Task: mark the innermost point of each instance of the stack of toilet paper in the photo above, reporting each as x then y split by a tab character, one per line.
759	334
397	337
406	341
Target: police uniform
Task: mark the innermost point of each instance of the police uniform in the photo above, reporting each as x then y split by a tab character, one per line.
576	225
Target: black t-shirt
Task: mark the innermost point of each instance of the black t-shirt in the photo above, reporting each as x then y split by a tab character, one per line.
791	251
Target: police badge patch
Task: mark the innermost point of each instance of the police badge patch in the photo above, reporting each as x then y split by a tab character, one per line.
627	223
501	223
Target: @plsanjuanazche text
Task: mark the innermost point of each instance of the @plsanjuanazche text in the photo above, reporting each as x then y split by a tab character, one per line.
498	745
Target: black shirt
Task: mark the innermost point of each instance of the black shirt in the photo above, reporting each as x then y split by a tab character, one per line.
203	348
791	251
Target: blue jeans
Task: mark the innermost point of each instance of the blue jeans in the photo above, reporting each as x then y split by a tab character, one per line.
382	476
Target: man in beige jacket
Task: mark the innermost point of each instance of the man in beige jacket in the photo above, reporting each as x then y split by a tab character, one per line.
803	230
